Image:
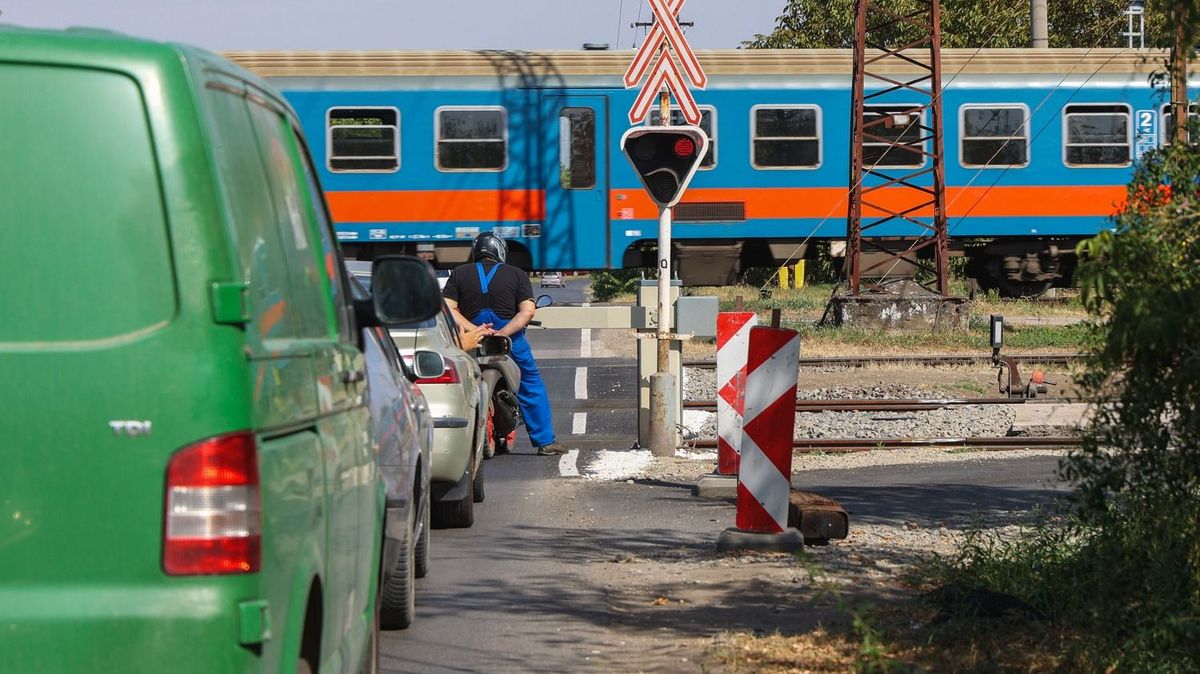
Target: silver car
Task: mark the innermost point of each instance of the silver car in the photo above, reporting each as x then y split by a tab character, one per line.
460	405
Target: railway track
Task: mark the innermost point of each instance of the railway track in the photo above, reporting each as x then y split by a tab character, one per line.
889	405
853	445
929	360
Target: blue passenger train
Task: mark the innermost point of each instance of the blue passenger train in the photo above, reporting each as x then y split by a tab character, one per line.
422	150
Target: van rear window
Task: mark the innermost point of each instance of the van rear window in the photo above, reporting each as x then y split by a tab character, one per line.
84	253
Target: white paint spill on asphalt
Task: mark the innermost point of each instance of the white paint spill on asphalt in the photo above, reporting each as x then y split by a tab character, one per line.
617	465
579	423
581	383
567	465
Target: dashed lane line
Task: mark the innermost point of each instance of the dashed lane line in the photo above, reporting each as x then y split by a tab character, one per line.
567	465
579	423
585	343
581	383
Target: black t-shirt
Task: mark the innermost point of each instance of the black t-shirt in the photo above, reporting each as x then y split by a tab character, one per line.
507	289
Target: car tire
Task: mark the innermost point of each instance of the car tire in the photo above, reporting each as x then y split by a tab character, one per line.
477	494
421	552
397	596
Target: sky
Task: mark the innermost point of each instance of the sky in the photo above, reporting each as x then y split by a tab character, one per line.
395	24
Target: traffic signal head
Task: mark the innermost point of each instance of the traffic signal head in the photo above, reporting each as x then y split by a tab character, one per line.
665	158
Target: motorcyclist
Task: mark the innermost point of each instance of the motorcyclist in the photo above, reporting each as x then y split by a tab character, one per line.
488	291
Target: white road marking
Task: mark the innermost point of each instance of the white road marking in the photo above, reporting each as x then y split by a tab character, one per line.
581	383
567	464
585	343
579	423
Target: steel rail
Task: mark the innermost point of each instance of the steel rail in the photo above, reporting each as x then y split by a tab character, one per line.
937	359
853	445
890	404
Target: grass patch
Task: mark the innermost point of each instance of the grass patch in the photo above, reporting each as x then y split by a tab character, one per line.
970	386
975	339
819	651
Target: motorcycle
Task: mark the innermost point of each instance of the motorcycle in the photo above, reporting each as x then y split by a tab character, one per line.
502	378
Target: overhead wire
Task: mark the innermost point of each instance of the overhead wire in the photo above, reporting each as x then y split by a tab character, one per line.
620	16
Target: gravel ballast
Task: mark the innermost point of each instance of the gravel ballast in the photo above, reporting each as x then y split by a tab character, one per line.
956	422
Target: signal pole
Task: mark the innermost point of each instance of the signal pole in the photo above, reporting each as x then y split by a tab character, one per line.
662	384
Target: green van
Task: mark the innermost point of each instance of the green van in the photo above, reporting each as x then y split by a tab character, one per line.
187	472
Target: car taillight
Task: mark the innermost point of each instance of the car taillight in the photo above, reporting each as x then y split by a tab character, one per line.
212	518
449	376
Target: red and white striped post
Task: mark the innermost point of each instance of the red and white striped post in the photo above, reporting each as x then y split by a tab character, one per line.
765	473
733	343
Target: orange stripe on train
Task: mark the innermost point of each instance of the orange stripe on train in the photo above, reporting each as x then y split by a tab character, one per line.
830	202
438	206
761	203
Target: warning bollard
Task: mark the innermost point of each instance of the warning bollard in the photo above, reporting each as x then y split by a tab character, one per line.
765	469
733	342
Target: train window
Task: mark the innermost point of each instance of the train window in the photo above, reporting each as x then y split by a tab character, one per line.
885	143
1168	123
994	136
364	139
1097	135
577	148
708	122
472	139
785	136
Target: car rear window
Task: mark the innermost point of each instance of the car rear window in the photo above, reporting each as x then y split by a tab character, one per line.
84	253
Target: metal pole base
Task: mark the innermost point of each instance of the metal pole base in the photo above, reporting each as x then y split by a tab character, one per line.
662	423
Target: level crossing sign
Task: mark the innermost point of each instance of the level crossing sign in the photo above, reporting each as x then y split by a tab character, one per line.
666	41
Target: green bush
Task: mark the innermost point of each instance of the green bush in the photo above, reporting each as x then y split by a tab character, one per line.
1120	576
607	285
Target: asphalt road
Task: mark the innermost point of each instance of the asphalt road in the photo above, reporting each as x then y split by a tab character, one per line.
513	593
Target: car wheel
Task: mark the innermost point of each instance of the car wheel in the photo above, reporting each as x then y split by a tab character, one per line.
421	553
397	598
477	485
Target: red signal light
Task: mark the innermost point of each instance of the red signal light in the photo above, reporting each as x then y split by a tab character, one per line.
684	147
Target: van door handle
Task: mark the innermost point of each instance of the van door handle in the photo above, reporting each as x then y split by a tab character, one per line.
351	376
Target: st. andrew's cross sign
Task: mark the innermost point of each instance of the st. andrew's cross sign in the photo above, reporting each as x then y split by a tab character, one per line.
665	38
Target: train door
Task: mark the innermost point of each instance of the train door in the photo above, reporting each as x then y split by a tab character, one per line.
575	174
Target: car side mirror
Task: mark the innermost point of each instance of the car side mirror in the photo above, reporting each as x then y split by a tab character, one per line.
428	364
404	289
495	345
544	301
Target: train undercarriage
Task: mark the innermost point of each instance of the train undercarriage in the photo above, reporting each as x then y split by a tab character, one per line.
1011	267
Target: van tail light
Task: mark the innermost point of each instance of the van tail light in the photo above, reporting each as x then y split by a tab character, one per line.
212	518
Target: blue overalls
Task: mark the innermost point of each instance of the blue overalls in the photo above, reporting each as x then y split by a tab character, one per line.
535	403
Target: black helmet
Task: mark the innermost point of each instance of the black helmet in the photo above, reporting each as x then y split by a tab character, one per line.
489	245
